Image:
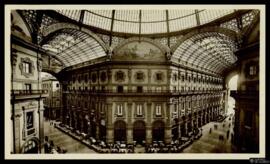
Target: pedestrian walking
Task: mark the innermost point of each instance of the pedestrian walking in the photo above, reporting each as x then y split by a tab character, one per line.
210	131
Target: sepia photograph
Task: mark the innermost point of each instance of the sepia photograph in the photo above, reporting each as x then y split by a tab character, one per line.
134	82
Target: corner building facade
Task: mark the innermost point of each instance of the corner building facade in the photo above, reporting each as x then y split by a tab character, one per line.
139	93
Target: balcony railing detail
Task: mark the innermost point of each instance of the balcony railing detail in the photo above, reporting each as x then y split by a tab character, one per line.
28	92
145	92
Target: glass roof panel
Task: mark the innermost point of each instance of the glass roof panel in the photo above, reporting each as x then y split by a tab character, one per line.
73	14
182	23
127	15
126	27
97	21
207	16
206	50
105	13
173	14
152	28
178	19
153	15
74	47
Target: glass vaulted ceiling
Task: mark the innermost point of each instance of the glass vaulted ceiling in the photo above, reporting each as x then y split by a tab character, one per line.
145	21
210	51
74	47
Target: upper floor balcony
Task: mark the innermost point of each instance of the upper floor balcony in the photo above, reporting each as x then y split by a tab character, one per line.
28	94
141	93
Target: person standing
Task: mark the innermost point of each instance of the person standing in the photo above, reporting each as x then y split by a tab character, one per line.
46	145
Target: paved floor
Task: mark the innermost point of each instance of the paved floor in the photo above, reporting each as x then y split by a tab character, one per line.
210	142
65	141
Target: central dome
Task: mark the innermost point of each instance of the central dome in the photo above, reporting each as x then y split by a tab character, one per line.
145	21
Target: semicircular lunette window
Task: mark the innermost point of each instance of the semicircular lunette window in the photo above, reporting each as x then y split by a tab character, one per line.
74	47
209	51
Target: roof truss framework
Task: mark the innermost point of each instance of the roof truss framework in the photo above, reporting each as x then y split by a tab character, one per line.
210	50
74	46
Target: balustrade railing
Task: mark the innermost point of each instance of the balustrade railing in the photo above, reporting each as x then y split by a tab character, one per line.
141	92
28	92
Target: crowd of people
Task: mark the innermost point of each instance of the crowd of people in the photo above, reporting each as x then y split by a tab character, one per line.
50	148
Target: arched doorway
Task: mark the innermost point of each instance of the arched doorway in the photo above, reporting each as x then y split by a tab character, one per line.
139	131
158	131
120	131
30	146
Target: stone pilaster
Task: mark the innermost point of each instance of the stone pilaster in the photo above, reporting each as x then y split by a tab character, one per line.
149	124
41	127
17	134
109	128
129	124
168	126
148	135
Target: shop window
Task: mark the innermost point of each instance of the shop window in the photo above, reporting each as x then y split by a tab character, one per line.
103	77
139	76
103	88
175	77
139	110
119	76
139	89
158	110
159	76
94	77
28	87
158	89
174	89
183	78
26	67
119	111
175	108
85	78
252	70
120	89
